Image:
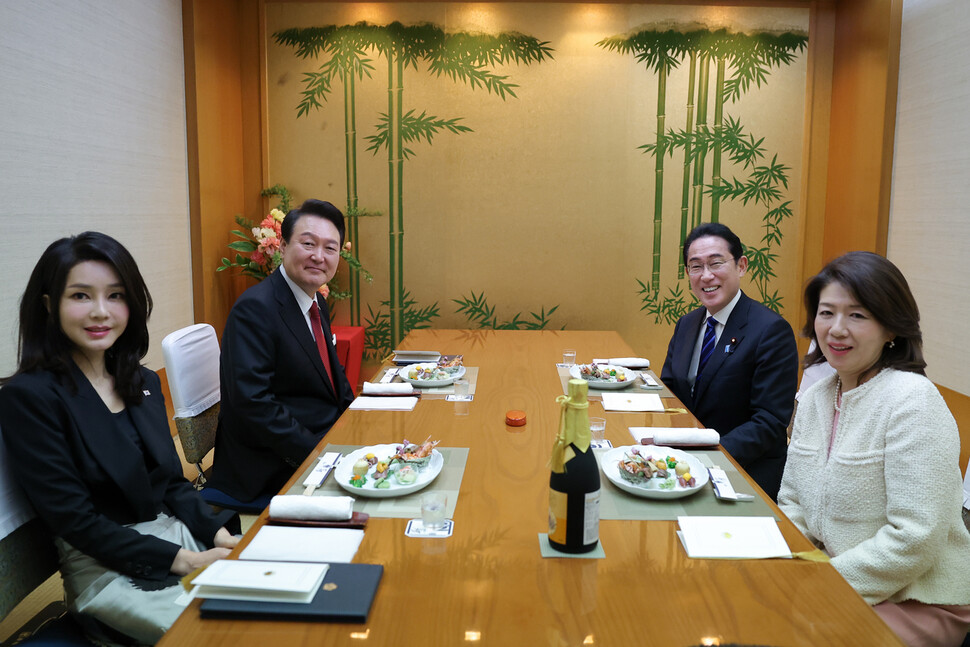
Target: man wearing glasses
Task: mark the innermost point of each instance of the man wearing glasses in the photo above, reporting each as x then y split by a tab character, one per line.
733	362
282	384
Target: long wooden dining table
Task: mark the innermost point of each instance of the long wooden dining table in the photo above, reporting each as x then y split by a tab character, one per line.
488	583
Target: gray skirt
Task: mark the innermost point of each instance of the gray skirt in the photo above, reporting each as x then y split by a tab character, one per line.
141	609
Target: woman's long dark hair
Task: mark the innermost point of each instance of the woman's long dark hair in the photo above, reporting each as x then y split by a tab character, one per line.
879	287
43	344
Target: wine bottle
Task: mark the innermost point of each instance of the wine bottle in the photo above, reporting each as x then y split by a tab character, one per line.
574	481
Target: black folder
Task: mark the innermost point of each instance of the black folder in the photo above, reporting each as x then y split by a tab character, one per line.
345	595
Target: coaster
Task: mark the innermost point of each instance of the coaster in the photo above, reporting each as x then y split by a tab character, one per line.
601	444
546	550
459	398
415	528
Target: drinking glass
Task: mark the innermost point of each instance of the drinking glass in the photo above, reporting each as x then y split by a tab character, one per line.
569	357
433	506
597	428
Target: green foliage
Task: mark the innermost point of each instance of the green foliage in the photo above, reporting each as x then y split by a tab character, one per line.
666	309
281	192
378	323
480	314
413	128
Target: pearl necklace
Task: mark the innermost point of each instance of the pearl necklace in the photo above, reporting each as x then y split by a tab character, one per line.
838	395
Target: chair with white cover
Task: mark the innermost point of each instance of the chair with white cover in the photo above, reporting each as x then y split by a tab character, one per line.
192	367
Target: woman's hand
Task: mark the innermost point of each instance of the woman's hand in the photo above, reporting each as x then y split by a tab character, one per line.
224	539
187	561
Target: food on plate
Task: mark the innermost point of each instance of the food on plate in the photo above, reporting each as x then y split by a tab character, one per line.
450	363
664	473
381	472
427	373
596	373
370	458
417	456
358	480
360	467
406	475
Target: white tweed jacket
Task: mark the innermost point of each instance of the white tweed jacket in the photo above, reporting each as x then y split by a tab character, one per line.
886	504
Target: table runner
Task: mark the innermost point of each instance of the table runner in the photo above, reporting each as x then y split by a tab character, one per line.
439	393
617	504
402	507
596	395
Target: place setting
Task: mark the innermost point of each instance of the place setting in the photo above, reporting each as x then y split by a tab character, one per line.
621	383
434	376
388	479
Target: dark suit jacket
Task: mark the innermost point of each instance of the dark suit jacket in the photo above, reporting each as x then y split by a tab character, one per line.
276	400
747	390
86	477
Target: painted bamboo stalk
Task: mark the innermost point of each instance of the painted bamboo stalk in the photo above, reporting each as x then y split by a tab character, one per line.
659	173
685	192
395	188
702	92
350	154
718	129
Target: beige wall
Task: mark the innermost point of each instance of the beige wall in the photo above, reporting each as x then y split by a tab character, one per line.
93	133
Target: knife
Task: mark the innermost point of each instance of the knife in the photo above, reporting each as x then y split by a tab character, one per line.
321	471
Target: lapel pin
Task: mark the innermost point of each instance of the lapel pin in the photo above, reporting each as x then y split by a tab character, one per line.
147	392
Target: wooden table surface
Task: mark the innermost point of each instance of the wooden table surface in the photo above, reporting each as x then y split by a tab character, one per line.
488	584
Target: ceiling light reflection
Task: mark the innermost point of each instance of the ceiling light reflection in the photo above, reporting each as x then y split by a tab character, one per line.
473	636
360	635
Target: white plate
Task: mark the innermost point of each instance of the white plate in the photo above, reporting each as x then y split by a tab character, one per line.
598	384
345	469
403	373
608	463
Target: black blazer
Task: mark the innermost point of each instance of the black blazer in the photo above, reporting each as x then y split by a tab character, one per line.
86	477
276	400
747	390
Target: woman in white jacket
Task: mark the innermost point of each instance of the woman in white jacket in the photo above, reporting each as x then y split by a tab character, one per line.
873	473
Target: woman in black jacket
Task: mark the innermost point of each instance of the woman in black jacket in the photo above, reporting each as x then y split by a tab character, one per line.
87	432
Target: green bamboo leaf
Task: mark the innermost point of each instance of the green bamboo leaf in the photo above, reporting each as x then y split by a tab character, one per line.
242	246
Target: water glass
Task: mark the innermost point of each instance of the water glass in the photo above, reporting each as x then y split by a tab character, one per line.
597	429
461	391
433	507
569	357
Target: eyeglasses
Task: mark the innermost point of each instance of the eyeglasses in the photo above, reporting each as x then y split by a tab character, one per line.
698	268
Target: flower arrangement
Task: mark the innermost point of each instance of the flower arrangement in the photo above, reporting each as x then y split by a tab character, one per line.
258	251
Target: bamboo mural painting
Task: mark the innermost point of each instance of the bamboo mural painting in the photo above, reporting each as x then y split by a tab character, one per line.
464	57
648	120
749	57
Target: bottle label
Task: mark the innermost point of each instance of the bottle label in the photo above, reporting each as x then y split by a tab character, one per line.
557	516
591	517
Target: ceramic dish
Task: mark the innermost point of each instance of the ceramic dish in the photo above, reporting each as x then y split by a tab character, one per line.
345	470
608	463
629	373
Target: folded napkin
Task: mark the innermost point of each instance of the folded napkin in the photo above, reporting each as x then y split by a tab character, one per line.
625	362
383	403
632	402
675	436
399	388
317	508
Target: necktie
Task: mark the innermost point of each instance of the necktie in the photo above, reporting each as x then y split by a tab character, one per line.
707	348
321	341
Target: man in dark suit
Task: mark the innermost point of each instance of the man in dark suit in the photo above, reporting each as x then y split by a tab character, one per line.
282	385
737	374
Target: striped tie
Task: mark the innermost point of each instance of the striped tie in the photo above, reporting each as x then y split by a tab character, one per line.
707	348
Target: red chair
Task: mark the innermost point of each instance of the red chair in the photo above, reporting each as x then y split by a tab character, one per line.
350	351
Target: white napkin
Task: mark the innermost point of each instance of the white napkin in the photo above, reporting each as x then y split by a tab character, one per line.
314	508
625	362
632	402
398	388
389	403
318	545
676	435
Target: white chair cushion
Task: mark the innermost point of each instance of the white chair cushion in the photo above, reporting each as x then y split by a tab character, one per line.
192	366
